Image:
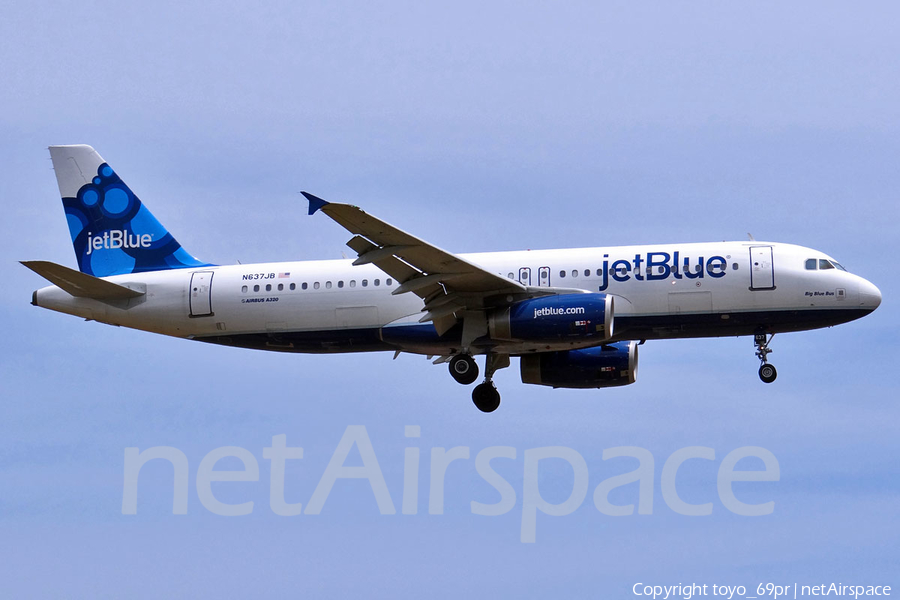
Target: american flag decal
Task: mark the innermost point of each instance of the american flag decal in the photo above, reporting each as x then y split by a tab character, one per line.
283	275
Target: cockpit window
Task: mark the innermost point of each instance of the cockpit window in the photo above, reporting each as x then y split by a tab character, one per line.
821	263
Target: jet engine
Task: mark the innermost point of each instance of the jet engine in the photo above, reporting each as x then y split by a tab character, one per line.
609	365
555	318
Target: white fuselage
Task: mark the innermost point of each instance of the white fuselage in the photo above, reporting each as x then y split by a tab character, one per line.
728	288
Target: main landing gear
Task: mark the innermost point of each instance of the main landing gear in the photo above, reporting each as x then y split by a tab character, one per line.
767	372
465	371
486	397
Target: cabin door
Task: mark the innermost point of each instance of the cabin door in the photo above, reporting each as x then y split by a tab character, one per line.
762	273
201	294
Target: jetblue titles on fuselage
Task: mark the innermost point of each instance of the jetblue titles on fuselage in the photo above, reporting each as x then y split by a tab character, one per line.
657	266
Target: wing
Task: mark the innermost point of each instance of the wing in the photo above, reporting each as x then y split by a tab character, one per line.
449	285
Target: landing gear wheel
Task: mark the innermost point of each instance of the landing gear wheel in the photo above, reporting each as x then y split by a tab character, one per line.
486	397
463	369
767	373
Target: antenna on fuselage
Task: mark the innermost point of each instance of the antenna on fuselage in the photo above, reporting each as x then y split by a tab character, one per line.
750	235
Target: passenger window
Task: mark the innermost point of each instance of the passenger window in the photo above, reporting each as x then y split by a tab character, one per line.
341	284
824	264
293	286
280	287
575	273
599	272
510	275
810	264
304	286
244	289
365	283
734	266
268	287
388	282
352	283
327	285
587	272
562	274
316	285
377	282
255	288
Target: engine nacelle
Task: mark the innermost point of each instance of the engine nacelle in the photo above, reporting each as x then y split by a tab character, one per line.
555	318
609	365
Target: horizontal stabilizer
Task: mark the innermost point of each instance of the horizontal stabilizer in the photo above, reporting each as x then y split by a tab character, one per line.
80	284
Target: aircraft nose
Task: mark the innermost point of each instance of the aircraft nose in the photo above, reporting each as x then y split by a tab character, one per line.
869	295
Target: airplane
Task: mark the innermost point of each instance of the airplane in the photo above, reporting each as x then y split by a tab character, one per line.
573	317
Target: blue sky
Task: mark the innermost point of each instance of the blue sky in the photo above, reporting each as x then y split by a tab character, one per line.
499	127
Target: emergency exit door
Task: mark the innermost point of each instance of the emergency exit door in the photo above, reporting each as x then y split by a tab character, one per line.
201	294
525	275
544	276
762	273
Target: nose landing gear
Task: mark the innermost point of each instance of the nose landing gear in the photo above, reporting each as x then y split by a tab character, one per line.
767	372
